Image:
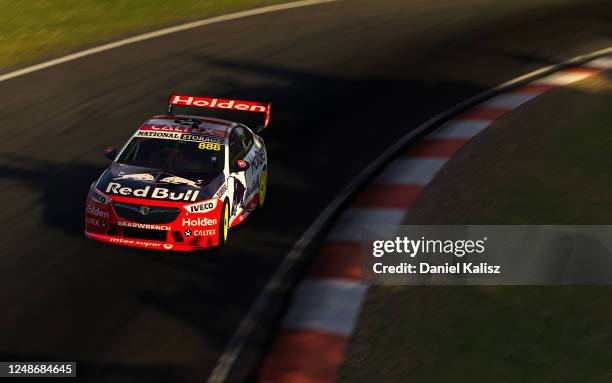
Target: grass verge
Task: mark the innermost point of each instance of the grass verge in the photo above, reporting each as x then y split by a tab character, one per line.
31	30
546	163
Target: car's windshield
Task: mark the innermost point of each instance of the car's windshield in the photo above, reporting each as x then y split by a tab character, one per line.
174	155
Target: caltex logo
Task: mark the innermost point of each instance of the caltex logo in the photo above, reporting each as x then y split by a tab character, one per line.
187	233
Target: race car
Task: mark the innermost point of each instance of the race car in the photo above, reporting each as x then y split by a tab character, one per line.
181	181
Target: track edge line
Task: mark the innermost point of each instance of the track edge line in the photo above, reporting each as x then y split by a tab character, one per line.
159	33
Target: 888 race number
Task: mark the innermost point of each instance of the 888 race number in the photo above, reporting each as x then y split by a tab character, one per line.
209	146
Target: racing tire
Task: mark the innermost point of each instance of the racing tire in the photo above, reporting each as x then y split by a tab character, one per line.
263	188
223	224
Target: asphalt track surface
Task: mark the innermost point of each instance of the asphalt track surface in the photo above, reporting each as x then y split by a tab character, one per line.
346	80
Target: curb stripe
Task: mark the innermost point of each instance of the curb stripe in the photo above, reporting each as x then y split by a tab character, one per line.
411	171
464	129
388	196
583	69
535	89
338	260
602	63
442	148
348	226
327	303
488	113
304	357
509	100
565	77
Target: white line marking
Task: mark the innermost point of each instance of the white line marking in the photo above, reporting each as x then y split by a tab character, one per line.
459	128
159	33
563	78
328	305
602	63
410	171
509	100
349	225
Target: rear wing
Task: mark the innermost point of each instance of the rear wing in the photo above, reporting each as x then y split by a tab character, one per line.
220	103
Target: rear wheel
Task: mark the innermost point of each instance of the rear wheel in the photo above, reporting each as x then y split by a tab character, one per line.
263	186
223	224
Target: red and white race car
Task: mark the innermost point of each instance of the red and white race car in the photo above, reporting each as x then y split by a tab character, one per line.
181	181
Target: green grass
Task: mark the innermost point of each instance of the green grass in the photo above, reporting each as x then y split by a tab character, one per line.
482	334
548	162
34	29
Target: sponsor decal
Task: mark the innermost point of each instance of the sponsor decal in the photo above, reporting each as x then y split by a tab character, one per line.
136	177
179	132
98	197
221	190
136	242
202	207
203	233
156	134
181	125
200	138
219	103
252	188
178	180
153	193
199	221
95	222
146	177
96	211
143	226
200	233
171	128
168	246
259	159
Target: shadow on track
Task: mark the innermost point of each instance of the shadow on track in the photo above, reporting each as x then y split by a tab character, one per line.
101	299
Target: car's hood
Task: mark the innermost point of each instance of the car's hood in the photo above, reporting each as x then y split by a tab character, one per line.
138	182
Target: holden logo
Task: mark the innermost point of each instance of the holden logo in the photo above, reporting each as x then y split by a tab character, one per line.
144	210
187	233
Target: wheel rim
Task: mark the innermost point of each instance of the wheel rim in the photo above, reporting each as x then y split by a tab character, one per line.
263	178
225	222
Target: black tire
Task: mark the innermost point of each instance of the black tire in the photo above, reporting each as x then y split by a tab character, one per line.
263	188
223	229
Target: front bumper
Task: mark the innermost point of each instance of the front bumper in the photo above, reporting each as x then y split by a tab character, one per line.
148	244
189	231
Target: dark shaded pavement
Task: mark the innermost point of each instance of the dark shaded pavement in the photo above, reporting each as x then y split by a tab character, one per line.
346	79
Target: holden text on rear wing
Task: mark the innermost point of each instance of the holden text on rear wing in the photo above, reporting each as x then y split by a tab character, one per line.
220	103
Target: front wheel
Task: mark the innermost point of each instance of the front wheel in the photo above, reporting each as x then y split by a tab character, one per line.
263	186
223	224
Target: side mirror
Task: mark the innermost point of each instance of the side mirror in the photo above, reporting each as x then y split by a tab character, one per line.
110	152
240	166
